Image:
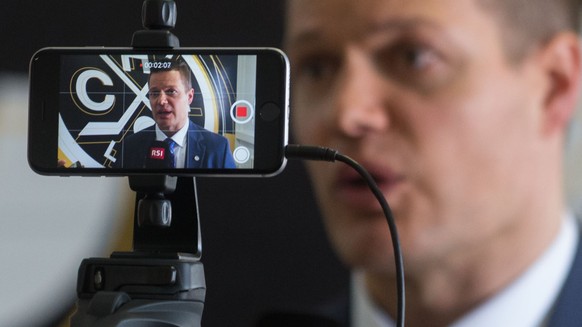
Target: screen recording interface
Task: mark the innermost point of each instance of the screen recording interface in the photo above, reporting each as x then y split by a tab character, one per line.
105	99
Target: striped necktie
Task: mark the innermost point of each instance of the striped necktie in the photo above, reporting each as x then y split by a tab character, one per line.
172	147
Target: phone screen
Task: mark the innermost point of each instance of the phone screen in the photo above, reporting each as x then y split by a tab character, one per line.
180	112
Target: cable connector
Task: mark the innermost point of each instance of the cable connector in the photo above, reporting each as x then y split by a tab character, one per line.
319	153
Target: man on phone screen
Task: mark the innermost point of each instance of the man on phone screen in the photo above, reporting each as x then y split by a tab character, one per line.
174	141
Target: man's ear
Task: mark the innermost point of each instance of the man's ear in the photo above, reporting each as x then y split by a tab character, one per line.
190	95
562	64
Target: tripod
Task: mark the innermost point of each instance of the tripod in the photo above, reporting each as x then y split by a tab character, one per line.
160	283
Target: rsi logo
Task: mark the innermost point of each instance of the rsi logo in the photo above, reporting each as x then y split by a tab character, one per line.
157	153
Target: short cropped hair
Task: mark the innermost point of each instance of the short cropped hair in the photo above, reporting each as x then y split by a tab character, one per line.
528	23
165	65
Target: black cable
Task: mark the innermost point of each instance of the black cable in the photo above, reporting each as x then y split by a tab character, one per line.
327	154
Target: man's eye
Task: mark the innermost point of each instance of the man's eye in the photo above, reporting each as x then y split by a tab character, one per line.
407	59
418	59
412	64
171	92
168	93
317	68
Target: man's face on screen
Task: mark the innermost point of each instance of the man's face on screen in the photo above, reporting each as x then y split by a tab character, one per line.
170	100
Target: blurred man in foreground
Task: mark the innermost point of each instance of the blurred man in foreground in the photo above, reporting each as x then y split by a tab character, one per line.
459	108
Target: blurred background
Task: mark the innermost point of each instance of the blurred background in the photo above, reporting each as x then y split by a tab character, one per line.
263	245
268	250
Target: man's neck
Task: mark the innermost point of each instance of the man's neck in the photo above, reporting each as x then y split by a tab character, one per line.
163	134
440	294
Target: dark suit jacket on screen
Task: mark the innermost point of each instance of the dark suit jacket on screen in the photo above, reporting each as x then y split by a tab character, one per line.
204	149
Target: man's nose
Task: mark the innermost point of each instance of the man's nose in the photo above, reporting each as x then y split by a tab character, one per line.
360	106
162	98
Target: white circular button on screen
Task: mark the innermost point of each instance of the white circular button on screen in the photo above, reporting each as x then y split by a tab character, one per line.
241	155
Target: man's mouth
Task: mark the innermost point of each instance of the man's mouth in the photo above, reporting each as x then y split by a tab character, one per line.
164	113
353	190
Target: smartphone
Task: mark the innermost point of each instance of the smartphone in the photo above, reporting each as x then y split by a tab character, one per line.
113	111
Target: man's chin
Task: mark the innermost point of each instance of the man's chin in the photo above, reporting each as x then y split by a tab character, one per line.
165	127
364	243
377	259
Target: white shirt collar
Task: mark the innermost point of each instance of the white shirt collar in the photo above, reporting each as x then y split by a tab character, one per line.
179	137
524	303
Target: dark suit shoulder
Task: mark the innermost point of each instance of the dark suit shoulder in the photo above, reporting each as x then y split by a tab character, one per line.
146	134
134	148
208	136
567	311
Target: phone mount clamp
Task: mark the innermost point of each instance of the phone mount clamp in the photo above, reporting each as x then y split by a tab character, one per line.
161	282
158	17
